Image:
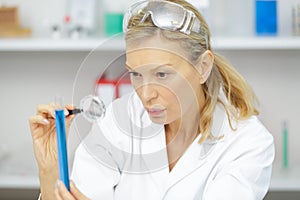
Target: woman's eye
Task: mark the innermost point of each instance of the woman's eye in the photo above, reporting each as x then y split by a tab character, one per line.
161	75
134	74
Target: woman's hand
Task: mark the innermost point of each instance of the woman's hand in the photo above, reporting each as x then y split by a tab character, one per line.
61	192
43	132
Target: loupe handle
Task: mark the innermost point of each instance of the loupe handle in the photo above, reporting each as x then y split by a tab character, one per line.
75	111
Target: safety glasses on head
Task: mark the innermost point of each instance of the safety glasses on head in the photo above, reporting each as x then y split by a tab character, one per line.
165	15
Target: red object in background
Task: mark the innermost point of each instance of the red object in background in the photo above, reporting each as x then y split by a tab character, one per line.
67	18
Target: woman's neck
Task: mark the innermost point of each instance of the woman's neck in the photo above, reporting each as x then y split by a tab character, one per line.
179	136
184	129
182	132
187	127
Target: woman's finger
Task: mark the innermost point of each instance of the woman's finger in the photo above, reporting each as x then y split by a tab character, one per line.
45	109
36	124
57	195
69	118
70	106
63	192
38	119
76	193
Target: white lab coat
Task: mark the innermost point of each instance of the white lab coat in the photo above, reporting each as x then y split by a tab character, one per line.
124	158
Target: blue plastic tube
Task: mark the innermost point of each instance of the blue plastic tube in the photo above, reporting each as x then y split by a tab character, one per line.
62	147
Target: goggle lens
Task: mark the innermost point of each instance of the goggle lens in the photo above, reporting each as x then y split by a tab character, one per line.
166	15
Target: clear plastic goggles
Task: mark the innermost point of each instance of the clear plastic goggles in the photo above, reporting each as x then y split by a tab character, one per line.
165	15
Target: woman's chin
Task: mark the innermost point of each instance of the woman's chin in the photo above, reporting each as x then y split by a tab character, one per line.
158	120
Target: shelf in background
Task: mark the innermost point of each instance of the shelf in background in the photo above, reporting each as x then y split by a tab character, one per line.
19	182
285	179
39	44
256	43
117	44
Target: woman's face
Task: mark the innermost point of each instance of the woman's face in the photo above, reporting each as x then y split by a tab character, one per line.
167	84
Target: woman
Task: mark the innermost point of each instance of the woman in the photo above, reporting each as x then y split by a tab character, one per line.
189	131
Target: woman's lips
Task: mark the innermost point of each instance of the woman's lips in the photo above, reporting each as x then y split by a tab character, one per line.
155	111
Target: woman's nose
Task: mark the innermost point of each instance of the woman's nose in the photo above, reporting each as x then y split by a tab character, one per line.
148	92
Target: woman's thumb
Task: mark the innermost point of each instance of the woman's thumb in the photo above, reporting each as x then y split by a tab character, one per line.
76	193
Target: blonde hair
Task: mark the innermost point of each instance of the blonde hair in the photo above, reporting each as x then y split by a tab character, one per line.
240	97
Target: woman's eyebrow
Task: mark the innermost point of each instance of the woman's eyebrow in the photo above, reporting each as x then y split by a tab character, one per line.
163	65
127	66
154	68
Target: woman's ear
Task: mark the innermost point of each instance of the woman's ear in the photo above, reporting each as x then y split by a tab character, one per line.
205	65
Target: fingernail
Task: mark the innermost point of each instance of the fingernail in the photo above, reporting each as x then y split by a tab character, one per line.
72	183
45	121
57	183
66	112
53	114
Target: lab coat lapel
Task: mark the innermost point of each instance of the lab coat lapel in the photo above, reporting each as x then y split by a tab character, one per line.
154	155
186	165
197	154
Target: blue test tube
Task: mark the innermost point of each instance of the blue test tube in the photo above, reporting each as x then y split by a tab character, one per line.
62	147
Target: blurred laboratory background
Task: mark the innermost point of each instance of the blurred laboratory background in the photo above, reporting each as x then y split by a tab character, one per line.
70	47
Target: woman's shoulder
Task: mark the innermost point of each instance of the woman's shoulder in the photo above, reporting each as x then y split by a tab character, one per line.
124	118
126	111
125	104
251	132
253	126
114	129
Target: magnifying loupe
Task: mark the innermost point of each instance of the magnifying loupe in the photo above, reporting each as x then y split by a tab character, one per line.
91	107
